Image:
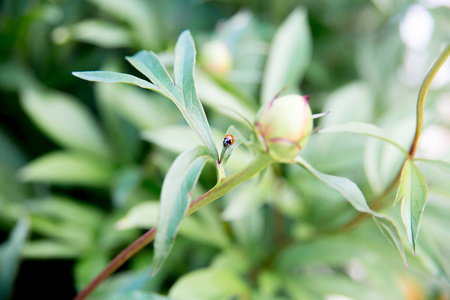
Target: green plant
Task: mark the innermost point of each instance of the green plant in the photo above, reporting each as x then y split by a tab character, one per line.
81	168
175	202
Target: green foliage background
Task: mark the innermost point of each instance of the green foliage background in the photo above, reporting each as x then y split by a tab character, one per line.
82	164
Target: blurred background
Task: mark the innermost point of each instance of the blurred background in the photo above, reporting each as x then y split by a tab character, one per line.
82	164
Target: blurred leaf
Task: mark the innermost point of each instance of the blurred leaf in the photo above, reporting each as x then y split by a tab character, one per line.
125	182
232	258
142	17
10	155
65	120
55	207
142	215
10	252
355	197
223	101
202	227
175	198
328	286
122	284
364	129
68	168
433	259
372	158
317	252
176	138
207	284
289	56
248	198
142	109
89	266
48	249
412	192
390	232
445	165
139	295
353	102
101	33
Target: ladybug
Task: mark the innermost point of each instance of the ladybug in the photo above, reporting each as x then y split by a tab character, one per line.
228	140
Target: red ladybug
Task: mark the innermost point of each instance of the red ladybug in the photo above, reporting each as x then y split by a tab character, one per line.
228	140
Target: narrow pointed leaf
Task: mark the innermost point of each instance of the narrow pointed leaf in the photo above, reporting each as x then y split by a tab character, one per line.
238	140
115	77
350	191
347	188
445	165
390	232
412	192
290	54
9	256
364	129
184	78
148	63
183	93
175	198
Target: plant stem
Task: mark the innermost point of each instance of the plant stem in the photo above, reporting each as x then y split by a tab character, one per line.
423	93
376	202
260	162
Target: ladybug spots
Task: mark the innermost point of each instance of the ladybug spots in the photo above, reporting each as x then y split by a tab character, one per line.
228	140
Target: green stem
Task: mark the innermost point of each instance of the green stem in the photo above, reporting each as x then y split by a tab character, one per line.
376	202
422	94
259	163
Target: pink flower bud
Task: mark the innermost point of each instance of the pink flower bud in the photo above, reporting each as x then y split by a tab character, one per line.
283	126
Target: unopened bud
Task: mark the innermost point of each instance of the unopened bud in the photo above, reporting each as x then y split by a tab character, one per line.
284	125
216	58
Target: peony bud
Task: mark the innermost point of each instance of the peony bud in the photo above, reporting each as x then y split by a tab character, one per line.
284	125
216	58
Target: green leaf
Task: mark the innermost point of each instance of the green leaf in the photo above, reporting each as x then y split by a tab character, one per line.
206	284
390	232
10	252
49	249
364	129
184	78
223	101
238	140
148	63
175	198
183	92
64	120
115	77
142	17
445	165
202	227
124	184
68	168
289	55
350	191
176	138
412	192
139	295
101	33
